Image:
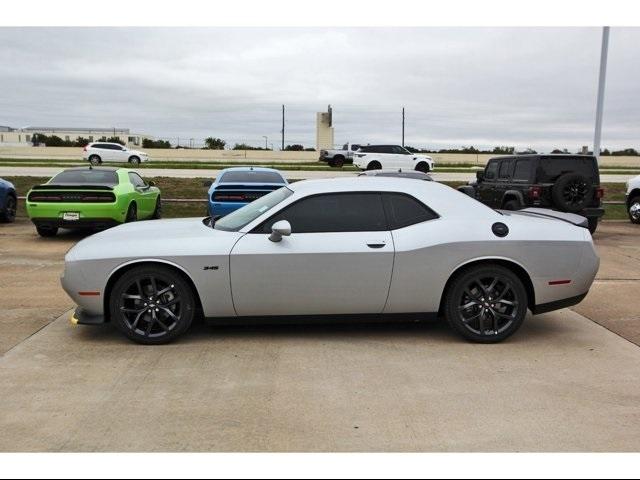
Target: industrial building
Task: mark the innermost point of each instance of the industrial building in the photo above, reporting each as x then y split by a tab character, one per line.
16	137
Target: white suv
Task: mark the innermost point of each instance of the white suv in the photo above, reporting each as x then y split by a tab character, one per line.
633	199
99	152
376	157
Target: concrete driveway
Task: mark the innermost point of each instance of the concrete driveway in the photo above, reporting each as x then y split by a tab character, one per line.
563	383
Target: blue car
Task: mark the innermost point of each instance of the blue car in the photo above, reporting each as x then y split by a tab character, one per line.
8	201
235	187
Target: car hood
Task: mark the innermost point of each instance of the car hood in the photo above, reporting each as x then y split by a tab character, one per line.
155	239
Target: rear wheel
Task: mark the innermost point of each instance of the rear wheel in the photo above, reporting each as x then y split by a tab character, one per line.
422	167
8	214
634	210
47	231
486	303
95	160
157	213
134	161
338	161
375	165
152	304
511	205
593	224
132	213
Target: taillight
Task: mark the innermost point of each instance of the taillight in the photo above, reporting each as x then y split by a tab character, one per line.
599	193
535	192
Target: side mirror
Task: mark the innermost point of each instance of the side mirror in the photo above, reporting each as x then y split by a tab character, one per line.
280	229
207	183
480	176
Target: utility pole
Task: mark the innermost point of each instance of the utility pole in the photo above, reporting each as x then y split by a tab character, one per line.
600	101
403	126
282	127
265	142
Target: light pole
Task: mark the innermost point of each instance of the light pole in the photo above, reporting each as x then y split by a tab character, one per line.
600	101
265	142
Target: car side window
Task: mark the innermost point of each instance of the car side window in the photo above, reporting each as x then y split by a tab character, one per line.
136	180
404	210
332	212
492	170
522	171
98	145
505	169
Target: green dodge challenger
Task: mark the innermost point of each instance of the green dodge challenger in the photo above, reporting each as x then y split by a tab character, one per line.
90	197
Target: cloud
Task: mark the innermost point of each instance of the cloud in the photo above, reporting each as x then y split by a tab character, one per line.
460	86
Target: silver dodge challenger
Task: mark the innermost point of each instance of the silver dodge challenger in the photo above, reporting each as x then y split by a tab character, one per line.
348	248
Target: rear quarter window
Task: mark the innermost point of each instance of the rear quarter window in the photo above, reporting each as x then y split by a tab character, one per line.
550	168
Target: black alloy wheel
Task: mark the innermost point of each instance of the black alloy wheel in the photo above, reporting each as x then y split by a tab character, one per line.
132	213
152	305
486	304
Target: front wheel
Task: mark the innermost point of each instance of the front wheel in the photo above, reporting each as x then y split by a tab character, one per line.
486	303
152	304
634	210
134	161
422	167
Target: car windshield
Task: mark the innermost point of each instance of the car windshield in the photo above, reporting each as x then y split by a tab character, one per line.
82	177
245	215
251	176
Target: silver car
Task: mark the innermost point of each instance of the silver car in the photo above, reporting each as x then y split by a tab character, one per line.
348	247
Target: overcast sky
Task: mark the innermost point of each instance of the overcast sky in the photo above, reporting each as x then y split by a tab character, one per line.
460	86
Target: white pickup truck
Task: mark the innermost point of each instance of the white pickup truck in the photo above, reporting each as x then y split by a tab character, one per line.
337	158
376	157
633	199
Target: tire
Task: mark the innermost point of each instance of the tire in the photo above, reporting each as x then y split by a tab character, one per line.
338	161
95	160
152	305
134	161
375	165
593	224
132	213
157	212
473	288
511	205
8	214
634	210
572	192
423	167
47	232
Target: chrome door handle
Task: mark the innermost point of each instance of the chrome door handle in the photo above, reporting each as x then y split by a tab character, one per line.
376	245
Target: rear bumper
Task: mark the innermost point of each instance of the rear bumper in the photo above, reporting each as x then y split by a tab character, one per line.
558	304
592	212
82	223
81	317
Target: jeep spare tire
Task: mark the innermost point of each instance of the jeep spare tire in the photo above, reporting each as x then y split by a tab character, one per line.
572	192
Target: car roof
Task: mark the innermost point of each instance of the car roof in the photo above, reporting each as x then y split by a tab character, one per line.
106	143
438	196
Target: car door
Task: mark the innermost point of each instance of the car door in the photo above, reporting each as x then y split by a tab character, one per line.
106	154
120	153
337	260
486	188
503	184
146	201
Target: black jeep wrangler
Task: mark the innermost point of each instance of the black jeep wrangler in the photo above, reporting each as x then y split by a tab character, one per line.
567	183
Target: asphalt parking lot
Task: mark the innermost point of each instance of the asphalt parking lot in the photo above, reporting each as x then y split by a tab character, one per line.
568	381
